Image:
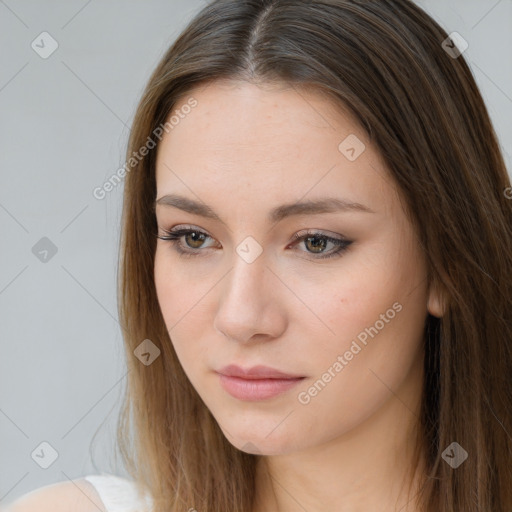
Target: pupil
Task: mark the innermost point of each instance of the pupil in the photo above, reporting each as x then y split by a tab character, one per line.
194	234
317	245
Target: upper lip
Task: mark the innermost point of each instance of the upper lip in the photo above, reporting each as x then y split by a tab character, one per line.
256	372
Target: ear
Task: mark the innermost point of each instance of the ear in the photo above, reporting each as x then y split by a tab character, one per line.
436	301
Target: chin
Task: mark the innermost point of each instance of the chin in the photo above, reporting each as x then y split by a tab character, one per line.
261	437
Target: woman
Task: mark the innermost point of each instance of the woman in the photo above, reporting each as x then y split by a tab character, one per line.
315	269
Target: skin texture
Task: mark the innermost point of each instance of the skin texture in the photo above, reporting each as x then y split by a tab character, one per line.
78	495
243	150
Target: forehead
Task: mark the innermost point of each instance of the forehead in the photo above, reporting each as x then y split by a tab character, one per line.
267	143
242	113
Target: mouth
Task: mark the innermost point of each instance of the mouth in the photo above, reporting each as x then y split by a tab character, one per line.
256	383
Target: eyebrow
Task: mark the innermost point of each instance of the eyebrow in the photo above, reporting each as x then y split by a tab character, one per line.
309	207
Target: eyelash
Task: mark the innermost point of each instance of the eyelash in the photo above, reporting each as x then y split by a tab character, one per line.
173	236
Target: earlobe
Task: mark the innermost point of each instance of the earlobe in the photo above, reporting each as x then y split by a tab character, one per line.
436	302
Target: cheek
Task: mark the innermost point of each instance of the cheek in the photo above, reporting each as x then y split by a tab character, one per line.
167	290
179	301
375	314
183	291
180	289
371	312
340	302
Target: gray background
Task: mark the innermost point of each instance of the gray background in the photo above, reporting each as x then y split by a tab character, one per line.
64	125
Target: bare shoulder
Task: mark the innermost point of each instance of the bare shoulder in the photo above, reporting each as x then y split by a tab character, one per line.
77	495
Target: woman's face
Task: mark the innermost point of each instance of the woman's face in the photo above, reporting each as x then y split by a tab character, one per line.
348	316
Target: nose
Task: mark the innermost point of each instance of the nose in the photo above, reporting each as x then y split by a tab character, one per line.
251	304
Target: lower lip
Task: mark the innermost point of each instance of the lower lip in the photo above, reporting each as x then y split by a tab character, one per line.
256	389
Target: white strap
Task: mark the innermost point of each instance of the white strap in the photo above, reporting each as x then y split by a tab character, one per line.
118	494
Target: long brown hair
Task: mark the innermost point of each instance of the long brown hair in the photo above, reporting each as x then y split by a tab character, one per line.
386	61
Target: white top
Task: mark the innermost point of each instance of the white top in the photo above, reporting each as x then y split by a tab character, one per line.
119	494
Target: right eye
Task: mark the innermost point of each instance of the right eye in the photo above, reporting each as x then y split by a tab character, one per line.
195	236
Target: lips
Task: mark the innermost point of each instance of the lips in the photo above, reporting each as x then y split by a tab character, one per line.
257	373
256	383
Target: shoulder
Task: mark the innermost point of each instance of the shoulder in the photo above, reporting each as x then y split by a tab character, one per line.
78	495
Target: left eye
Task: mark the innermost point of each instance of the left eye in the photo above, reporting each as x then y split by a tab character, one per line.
315	240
